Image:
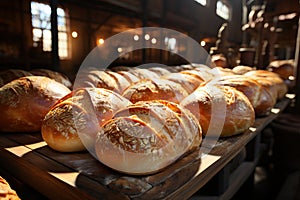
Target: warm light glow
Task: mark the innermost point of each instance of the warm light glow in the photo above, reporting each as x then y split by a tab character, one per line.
101	41
74	34
147	37
203	43
266	25
136	37
153	41
287	16
120	49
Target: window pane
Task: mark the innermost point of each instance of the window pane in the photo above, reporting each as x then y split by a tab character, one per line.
41	23
37	32
202	2
223	10
60	12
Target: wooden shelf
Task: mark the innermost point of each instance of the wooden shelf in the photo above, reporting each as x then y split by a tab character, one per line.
79	175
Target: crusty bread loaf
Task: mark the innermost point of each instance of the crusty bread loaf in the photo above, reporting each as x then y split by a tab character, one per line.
72	123
284	68
155	89
147	136
187	81
221	110
9	75
271	80
6	192
25	101
219	60
95	78
57	76
250	87
242	69
160	71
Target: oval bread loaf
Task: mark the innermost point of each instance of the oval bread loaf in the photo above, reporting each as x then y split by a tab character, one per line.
71	124
221	110
25	101
147	136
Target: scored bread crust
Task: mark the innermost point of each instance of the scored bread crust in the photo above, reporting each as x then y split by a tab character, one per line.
147	136
81	112
237	114
155	89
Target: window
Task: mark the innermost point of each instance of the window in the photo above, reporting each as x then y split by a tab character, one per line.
41	28
202	2
223	10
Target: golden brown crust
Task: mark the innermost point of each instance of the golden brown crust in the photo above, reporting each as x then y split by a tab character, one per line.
225	104
188	82
147	136
250	87
57	76
6	192
155	89
79	116
25	101
284	68
272	81
9	75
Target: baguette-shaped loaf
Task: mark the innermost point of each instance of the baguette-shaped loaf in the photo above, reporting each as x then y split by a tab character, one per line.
221	110
72	124
25	101
147	136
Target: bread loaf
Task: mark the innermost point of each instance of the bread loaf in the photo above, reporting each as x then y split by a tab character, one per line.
57	76
147	136
271	80
248	86
6	192
72	123
25	101
155	89
187	81
284	68
9	75
241	69
221	110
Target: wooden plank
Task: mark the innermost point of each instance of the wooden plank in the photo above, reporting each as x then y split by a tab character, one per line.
27	163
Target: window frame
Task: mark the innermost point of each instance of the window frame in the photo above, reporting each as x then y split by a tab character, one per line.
65	31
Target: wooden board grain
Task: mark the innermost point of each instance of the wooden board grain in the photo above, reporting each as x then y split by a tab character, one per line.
80	176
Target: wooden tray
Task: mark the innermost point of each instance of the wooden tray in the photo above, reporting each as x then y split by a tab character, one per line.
80	176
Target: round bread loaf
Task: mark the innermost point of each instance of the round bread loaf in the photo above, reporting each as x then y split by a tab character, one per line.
57	76
9	75
221	110
155	89
25	101
147	136
73	122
